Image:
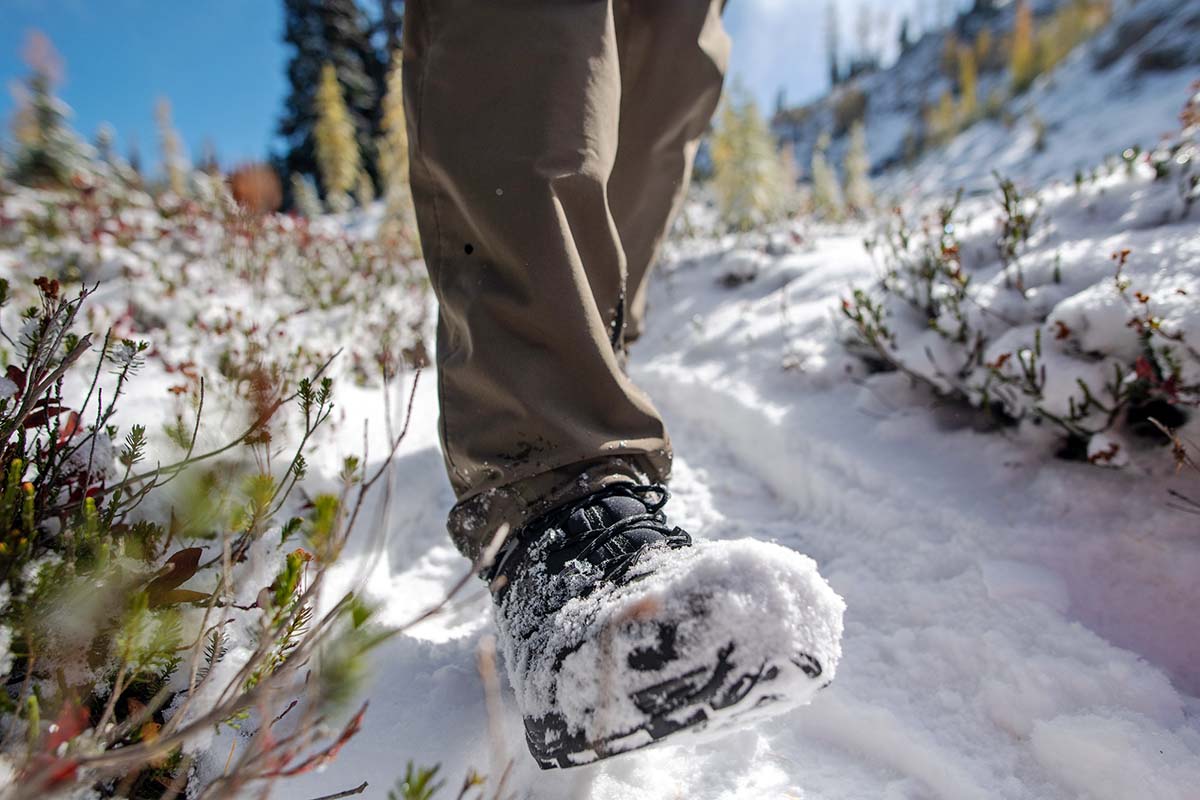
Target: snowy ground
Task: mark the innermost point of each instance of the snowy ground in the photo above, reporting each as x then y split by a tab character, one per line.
1018	627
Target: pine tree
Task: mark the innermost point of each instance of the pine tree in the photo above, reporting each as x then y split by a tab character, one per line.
304	196
174	165
48	152
399	214
334	32
337	149
832	43
135	158
364	190
748	176
906	42
393	143
106	137
210	163
968	85
391	22
827	191
1023	56
857	168
943	119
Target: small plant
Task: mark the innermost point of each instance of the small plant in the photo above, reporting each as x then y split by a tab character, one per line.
939	313
112	618
1018	219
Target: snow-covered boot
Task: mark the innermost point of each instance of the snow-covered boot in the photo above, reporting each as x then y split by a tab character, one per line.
618	631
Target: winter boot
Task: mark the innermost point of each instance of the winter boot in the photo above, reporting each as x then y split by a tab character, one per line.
618	631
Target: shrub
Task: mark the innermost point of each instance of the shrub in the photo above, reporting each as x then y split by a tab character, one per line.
123	639
256	188
1037	349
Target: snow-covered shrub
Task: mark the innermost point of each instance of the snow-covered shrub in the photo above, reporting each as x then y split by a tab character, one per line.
1091	342
258	288
135	620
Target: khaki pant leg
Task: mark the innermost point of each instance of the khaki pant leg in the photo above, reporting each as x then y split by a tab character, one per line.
673	55
513	109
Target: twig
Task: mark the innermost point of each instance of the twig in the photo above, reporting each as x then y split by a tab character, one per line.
347	793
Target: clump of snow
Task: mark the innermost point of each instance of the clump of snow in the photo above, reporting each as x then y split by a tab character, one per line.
765	605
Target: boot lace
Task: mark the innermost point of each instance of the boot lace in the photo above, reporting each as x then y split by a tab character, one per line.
604	546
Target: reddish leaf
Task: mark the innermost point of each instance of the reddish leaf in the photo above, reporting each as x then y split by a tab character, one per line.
173	596
39	418
70	428
1144	369
179	567
72	720
1000	361
17	376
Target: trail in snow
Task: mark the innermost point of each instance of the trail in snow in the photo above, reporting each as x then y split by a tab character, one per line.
1014	623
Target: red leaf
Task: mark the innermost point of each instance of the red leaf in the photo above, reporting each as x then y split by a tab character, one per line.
72	720
39	418
1144	369
70	428
17	376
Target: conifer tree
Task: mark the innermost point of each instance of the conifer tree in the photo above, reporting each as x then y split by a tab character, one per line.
833	38
968	85
857	168
1023	56
399	214
48	152
393	143
748	175
328	32
305	197
337	148
135	159
906	42
828	201
364	191
943	119
105	143
174	166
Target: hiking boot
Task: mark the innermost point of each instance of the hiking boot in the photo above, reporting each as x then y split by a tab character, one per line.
618	631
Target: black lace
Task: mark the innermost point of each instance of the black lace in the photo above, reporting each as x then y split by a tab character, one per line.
593	543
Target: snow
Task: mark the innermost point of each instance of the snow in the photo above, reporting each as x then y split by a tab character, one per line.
763	606
1011	619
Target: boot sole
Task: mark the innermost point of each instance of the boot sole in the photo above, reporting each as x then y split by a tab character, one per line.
703	701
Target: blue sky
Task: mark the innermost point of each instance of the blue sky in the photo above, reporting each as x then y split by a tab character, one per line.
221	62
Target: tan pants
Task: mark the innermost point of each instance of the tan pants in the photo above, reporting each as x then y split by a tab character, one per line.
551	143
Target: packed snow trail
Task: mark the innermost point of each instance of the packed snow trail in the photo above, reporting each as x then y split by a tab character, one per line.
1014	623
